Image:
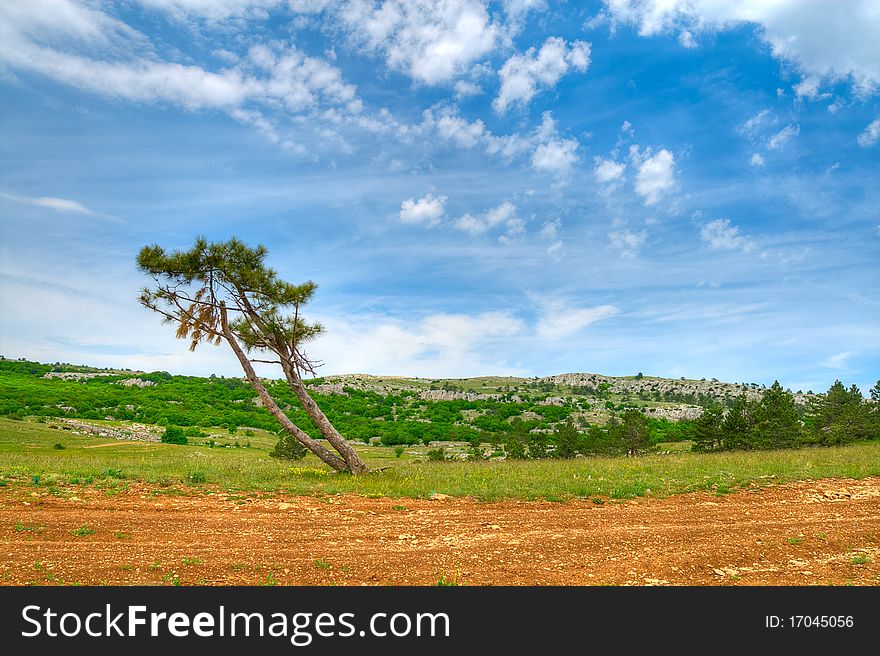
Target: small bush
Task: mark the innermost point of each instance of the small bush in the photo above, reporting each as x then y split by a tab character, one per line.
174	435
58	446
437	455
288	448
195	477
398	451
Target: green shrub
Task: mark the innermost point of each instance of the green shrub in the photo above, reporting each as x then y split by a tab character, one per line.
437	455
174	435
288	448
112	473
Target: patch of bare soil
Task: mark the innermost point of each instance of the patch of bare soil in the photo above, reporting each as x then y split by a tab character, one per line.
811	532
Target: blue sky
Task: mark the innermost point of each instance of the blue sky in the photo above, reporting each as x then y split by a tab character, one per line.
522	187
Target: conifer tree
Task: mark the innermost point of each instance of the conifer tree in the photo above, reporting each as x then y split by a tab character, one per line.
537	445
707	430
841	415
516	439
224	292
635	431
736	427
567	440
874	411
777	422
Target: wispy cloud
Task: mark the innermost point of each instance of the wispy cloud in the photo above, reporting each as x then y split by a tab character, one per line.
870	135
628	242
755	124
786	134
441	344
558	319
720	234
49	202
838	360
503	215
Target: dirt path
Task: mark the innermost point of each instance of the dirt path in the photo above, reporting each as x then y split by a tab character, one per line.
813	532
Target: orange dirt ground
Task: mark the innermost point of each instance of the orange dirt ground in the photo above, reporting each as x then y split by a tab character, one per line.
806	533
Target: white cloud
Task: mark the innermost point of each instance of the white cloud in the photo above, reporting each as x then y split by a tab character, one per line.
59	204
809	88
628	242
464	89
553	153
550	232
87	49
757	160
555	156
438	345
517	10
786	134
504	214
558	319
548	150
686	39
522	75
431	41
656	173
214	10
452	127
870	135
607	170
755	124
135	78
428	210
550	229
822	39
721	235
515	229
837	361
556	250
80	27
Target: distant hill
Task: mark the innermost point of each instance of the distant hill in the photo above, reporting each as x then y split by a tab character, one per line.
467	403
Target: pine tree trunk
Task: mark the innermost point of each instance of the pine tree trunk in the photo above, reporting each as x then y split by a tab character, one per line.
352	459
301	436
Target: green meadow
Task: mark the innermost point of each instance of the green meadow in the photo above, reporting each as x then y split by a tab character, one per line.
55	461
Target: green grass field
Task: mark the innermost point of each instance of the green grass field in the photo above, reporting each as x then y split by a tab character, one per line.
28	457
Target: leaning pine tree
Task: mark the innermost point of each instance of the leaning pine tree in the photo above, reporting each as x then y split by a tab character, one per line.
218	292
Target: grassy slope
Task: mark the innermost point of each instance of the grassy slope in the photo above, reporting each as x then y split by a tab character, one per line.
26	451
